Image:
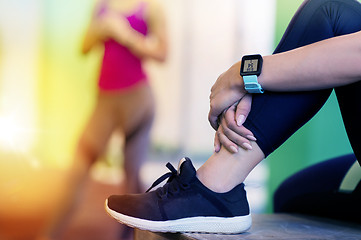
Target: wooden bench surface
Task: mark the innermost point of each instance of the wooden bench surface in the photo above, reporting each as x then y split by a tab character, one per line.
273	226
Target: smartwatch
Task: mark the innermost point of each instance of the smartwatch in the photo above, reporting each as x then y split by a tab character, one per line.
251	66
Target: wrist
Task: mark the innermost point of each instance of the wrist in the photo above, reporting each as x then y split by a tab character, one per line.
236	79
134	40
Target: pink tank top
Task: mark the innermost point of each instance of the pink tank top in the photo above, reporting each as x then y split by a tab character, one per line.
120	67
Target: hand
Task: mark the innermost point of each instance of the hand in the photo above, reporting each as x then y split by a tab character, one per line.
231	133
114	26
227	90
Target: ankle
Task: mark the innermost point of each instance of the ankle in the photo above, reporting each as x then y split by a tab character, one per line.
213	184
224	170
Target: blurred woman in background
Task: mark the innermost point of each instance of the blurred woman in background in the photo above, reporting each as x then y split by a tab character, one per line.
130	31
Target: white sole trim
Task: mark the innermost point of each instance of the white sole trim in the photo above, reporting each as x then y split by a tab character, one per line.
218	225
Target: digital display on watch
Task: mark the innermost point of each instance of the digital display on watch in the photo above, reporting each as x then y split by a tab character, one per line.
250	65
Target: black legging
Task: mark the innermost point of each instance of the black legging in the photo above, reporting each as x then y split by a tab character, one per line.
276	116
316	191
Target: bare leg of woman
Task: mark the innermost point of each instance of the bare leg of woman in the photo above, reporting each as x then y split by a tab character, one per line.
136	118
132	111
90	146
224	170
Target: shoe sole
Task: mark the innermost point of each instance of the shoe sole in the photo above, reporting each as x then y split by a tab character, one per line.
216	225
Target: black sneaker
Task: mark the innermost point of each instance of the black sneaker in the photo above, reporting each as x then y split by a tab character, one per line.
183	204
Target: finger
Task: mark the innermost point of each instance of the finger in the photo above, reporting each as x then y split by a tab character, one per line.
229	138
220	102
238	137
243	109
226	143
230	122
213	119
217	144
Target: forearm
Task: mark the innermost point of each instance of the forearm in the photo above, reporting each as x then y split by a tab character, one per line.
153	45
143	46
326	64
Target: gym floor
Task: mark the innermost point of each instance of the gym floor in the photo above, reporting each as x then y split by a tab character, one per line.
90	221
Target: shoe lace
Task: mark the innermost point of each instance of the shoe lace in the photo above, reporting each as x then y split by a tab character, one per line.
173	185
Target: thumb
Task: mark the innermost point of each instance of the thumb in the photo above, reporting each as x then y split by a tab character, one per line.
243	109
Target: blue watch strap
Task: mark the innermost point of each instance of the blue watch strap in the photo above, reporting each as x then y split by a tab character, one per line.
251	84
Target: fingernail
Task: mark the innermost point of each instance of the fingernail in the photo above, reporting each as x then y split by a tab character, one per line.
247	146
251	137
234	149
240	120
216	149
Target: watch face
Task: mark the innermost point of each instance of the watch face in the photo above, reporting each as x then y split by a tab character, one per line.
251	65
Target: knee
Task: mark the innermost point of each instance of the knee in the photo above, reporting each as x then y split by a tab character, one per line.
87	151
142	128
